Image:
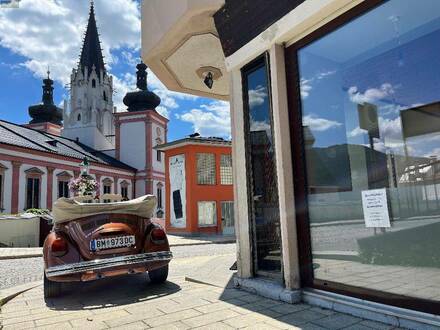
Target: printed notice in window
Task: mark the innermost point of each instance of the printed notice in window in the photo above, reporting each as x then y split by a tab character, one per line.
375	206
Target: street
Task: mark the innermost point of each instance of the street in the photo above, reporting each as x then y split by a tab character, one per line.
19	271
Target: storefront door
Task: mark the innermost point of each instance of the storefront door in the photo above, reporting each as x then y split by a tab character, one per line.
364	106
228	218
263	187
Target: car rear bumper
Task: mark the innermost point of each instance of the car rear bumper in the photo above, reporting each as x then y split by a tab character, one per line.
105	264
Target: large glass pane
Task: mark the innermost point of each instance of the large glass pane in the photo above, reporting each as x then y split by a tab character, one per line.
370	94
261	155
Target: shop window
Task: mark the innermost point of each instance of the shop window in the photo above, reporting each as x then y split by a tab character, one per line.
371	129
262	177
33	188
226	169
206	169
207	214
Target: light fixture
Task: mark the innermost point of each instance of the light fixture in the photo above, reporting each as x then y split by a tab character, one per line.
209	74
208	80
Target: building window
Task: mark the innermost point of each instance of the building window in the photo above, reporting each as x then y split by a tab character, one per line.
159	197
63	184
226	169
124	190
104	95
33	193
107	186
370	112
33	187
159	155
207	214
93	83
2	184
63	189
206	169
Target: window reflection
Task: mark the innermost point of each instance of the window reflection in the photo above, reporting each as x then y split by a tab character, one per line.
261	156
371	120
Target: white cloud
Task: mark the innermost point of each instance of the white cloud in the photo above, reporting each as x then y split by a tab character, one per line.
319	124
49	32
257	96
305	87
356	132
371	95
211	119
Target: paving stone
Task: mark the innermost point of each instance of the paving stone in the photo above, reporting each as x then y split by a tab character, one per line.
246	320
19	326
301	317
337	321
215	326
311	326
61	318
262	326
289	308
131	318
205	319
132	326
173	326
97	321
171	318
376	325
58	326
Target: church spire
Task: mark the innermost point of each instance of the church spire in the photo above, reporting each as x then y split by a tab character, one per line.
91	53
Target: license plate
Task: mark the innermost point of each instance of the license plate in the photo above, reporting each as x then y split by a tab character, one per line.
112	242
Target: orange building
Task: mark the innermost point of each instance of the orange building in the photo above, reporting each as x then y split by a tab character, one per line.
199	191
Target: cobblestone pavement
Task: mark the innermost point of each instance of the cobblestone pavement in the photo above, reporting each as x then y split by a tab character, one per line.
134	304
19	271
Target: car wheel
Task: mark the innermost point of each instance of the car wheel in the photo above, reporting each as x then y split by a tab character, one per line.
158	275
51	288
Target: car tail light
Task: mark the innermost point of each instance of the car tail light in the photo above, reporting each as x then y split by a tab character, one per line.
157	234
59	247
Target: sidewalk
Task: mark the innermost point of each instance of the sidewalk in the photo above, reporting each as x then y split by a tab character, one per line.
18	253
176	304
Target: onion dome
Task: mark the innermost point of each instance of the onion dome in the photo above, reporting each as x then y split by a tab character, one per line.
47	111
141	99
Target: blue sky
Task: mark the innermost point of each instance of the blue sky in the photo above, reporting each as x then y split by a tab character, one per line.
49	32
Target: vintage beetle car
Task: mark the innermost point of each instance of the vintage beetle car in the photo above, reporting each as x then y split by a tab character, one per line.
91	241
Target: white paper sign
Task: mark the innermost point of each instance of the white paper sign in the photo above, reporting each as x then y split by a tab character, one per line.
375	205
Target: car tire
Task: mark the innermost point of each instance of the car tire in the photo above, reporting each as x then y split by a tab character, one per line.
159	275
51	288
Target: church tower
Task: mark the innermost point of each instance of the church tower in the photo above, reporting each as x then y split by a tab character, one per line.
89	116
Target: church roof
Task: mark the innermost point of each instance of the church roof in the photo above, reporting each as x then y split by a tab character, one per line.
91	53
16	135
